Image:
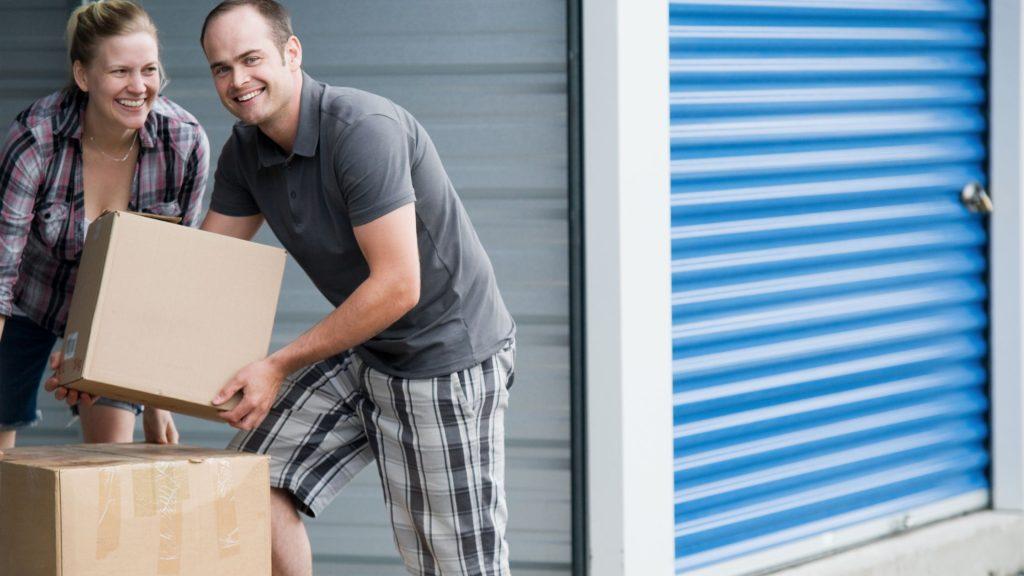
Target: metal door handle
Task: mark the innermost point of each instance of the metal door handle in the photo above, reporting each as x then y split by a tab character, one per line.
976	199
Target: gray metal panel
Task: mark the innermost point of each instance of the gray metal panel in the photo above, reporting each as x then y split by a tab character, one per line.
32	46
32	57
488	80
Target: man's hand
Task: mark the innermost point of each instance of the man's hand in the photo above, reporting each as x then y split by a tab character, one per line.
158	426
259	383
70	396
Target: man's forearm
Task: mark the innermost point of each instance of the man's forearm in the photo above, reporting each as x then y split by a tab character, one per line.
375	305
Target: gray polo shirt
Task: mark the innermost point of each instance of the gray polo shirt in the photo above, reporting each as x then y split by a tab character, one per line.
358	156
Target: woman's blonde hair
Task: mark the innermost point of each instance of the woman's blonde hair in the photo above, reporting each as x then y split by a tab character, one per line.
92	23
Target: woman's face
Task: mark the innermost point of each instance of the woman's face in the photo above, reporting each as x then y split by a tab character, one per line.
122	80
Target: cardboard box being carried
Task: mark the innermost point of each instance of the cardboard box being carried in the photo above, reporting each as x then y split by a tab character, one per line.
164	315
133	510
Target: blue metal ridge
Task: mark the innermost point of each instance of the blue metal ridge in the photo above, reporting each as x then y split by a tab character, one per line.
823	126
713	459
749	422
685	560
693	66
694	396
690	199
887	9
749	323
769	351
703	497
689	100
699	550
850	246
742	162
695	484
719	231
821	34
693	299
768	516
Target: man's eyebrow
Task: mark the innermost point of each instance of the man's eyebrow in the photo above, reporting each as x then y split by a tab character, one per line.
243	56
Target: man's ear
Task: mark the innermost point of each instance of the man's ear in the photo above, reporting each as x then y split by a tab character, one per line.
293	53
78	72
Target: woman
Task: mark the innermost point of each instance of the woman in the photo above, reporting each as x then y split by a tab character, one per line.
106	142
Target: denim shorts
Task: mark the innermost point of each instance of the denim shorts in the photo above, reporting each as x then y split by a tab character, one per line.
25	349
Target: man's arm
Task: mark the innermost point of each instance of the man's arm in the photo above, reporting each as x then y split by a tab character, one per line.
244	227
391	290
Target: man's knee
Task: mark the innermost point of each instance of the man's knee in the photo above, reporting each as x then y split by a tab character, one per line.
282	508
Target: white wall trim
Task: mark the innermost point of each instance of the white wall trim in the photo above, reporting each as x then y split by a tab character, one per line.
977	544
628	288
1006	252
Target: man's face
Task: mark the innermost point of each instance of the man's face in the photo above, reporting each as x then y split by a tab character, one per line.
253	80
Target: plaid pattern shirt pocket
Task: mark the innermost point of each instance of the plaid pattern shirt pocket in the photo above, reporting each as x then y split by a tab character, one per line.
55	228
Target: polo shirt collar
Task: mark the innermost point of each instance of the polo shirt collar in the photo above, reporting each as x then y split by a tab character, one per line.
308	135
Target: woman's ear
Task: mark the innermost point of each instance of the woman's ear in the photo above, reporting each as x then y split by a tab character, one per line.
78	71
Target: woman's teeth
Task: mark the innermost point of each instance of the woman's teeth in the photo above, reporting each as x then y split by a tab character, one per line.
131	103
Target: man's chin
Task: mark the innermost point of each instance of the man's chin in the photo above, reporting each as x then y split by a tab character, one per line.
246	116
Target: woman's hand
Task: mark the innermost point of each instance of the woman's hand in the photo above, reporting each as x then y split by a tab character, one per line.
70	396
158	426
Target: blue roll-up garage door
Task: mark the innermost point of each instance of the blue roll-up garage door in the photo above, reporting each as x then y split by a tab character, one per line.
829	297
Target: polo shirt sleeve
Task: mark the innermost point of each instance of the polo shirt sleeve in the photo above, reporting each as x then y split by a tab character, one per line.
374	170
231	194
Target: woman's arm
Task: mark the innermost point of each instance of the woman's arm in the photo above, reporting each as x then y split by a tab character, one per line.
193	189
20	177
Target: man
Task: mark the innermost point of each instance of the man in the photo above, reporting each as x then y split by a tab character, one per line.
353	187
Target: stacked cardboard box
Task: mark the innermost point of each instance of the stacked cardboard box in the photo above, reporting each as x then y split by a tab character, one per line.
133	510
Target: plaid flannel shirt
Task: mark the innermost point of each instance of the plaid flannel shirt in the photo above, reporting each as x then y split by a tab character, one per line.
42	211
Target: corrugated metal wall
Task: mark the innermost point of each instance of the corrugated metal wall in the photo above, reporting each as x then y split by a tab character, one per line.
32	57
32	46
488	80
829	289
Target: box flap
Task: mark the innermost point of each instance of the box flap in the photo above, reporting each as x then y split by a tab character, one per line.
171	219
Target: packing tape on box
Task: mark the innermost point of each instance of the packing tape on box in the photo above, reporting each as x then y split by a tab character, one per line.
170	484
143	492
108	527
159	491
228	542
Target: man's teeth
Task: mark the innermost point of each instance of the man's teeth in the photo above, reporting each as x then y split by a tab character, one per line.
249	96
131	103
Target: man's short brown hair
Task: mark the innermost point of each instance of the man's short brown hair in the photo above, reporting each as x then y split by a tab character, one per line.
276	15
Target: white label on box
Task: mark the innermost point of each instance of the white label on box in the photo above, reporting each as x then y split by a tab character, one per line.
69	346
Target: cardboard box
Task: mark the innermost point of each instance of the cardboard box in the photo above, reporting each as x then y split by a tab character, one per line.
133	510
164	315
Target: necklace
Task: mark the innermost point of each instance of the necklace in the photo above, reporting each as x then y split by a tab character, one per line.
115	158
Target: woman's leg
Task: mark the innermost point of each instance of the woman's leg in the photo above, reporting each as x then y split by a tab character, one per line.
24	351
103	424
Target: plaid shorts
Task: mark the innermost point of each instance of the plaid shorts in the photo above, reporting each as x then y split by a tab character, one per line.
439	445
